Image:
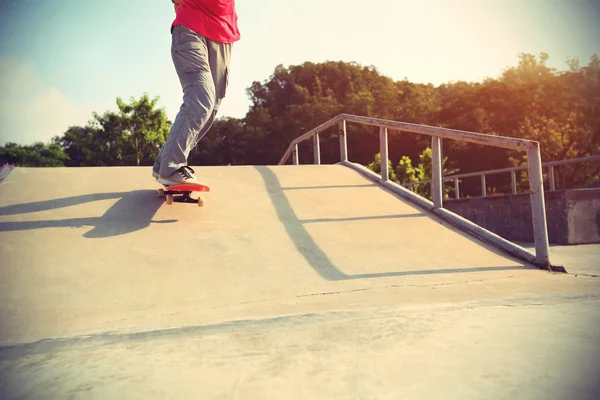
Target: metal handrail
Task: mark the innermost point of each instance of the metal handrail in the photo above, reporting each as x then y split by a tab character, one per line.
550	165
444	133
538	209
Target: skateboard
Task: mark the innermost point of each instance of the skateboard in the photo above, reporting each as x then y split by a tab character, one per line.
181	193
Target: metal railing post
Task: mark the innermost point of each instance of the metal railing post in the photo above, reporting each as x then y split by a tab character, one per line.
456	189
436	172
343	142
483	186
295	156
513	181
383	152
317	149
538	207
551	178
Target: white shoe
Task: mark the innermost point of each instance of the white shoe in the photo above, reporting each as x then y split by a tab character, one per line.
182	175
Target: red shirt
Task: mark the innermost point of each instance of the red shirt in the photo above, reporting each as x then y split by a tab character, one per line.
214	19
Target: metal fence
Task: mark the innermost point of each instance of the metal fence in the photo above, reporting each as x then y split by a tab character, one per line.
534	167
513	175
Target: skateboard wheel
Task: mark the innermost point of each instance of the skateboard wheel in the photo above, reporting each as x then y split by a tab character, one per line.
200	201
161	193
169	199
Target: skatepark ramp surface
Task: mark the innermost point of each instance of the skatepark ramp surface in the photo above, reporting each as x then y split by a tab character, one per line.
297	281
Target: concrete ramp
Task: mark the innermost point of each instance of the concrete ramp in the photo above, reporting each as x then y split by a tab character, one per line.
92	257
100	247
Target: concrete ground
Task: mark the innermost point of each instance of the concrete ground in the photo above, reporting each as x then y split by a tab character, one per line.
292	282
583	259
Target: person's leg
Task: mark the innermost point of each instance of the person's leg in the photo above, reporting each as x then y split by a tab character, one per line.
219	58
191	59
220	61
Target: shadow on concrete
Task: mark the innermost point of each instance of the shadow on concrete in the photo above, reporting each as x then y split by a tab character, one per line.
133	212
57	203
317	258
315	221
4	172
328	187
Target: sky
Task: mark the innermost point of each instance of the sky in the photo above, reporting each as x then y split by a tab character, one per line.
61	60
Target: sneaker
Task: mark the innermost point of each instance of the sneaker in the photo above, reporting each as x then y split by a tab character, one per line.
182	175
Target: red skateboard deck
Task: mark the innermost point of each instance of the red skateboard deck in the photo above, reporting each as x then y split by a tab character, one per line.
183	192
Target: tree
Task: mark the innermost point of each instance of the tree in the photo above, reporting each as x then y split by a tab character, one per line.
132	136
228	142
297	99
37	155
561	113
144	129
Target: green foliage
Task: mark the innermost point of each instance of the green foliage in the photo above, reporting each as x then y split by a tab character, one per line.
144	129
299	98
405	172
530	100
408	174
36	155
375	166
132	136
227	144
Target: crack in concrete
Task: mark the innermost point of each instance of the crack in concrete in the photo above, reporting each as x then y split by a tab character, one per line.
400	285
341	292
